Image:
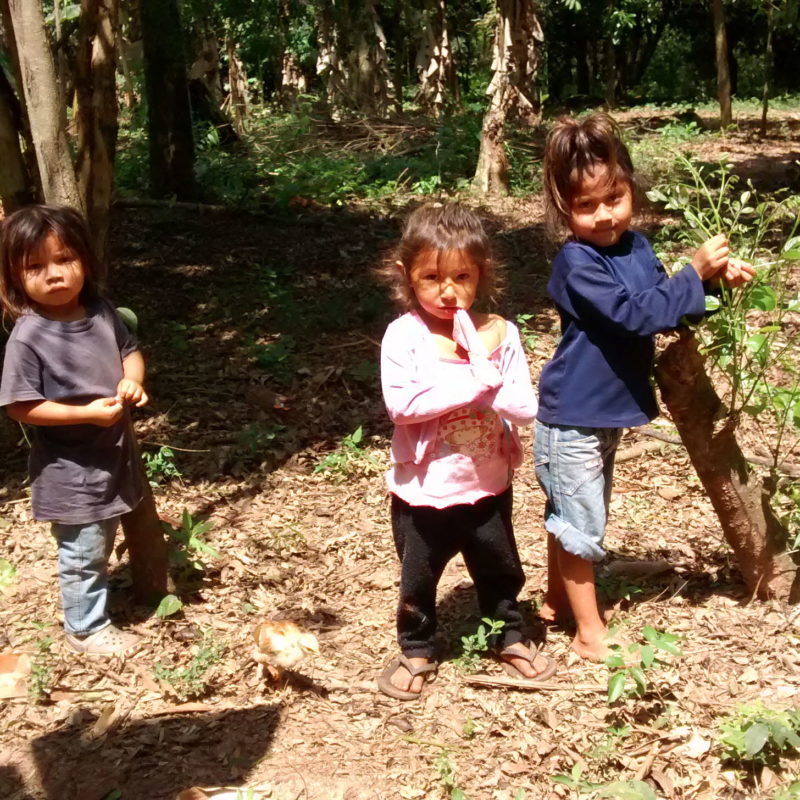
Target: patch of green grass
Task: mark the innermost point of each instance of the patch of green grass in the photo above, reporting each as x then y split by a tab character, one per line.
191	681
350	458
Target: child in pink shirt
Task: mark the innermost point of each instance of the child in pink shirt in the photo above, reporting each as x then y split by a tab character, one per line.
456	385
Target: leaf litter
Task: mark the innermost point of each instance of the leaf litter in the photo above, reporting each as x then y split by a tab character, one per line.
253	423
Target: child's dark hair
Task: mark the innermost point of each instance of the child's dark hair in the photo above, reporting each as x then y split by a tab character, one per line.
24	232
573	149
440	227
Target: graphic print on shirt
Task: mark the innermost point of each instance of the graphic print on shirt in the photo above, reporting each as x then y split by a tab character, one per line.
471	432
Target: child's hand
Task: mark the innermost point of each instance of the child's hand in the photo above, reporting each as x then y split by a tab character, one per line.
737	273
711	257
131	391
104	411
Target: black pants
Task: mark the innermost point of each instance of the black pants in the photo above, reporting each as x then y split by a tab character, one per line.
427	538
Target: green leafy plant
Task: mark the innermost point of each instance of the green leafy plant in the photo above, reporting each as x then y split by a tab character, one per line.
617	790
526	332
349	459
160	466
756	734
475	645
790	792
169	605
190	548
447	776
257	438
41	677
628	668
8	574
191	681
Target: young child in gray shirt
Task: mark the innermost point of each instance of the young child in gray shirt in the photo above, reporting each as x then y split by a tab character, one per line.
71	369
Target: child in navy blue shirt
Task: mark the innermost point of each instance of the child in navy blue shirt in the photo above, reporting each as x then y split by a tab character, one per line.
612	295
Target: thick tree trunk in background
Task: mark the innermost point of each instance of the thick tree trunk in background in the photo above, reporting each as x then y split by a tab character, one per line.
44	104
739	497
434	62
168	112
723	70
95	86
16	187
511	89
352	58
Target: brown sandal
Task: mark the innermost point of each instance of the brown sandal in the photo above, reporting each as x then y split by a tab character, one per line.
542	675
385	678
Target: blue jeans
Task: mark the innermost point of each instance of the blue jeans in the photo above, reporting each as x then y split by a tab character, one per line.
83	551
575	468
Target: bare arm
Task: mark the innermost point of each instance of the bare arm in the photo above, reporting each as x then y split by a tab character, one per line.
103	412
130	389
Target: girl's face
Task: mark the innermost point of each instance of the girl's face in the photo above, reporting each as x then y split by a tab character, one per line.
600	212
53	279
444	281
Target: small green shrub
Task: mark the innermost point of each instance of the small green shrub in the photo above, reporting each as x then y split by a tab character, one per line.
475	645
160	466
8	574
190	549
41	677
191	681
617	790
350	459
755	734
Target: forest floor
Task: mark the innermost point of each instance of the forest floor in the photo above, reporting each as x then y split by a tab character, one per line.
262	338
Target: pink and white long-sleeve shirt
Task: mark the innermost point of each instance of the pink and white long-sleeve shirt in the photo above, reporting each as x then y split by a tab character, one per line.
455	438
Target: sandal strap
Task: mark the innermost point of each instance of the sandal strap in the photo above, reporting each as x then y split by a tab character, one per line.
422	669
533	651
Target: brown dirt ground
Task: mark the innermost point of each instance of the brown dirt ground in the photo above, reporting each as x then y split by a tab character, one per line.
296	544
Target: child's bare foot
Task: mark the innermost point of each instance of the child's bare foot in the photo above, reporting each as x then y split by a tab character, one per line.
552	613
596	646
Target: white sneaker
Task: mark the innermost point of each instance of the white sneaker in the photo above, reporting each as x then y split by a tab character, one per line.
108	641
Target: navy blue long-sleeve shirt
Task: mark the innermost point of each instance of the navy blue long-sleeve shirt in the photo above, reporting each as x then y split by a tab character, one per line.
611	300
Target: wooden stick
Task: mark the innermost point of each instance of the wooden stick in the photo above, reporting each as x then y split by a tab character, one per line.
516	683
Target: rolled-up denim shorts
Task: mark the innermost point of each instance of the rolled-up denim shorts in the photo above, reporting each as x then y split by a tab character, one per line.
575	468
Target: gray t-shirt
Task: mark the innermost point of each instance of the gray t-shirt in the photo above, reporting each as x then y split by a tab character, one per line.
79	473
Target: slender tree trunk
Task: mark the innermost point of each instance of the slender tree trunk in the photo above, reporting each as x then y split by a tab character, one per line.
168	112
16	188
44	104
610	63
768	64
723	69
95	86
238	87
512	87
739	497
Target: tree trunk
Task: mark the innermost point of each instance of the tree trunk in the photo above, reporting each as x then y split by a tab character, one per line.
44	104
740	498
147	546
238	87
434	63
168	112
352	58
723	70
16	188
609	63
768	64
95	86
512	88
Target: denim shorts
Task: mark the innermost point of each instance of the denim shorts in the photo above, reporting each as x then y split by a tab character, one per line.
575	467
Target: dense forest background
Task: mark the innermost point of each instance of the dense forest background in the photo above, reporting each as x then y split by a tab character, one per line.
244	166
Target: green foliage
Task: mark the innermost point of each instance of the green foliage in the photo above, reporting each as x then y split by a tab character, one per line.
160	466
475	645
791	792
617	790
746	338
447	776
41	677
257	438
755	734
276	358
629	667
787	500
169	605
190	549
349	459
8	574
191	681
526	332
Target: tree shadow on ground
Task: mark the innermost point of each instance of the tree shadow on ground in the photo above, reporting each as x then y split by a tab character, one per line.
154	758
